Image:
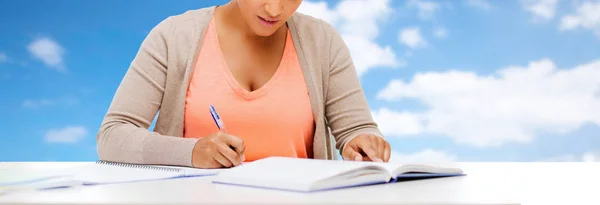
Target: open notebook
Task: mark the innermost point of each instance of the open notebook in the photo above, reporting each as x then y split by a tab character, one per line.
100	172
305	175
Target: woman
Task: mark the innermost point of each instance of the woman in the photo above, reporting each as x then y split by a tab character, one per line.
281	82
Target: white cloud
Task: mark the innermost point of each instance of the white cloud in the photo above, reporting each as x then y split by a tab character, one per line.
440	32
398	123
587	16
358	23
511	106
427	156
361	17
411	37
426	9
70	134
319	10
35	104
542	10
480	4
367	54
3	58
48	51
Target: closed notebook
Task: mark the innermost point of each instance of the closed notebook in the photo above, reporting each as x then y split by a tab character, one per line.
305	175
102	172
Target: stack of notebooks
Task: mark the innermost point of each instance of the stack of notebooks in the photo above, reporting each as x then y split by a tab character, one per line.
282	173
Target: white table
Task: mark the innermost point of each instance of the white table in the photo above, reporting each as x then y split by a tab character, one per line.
485	183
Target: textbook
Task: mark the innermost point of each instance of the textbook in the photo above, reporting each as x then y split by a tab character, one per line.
100	172
307	175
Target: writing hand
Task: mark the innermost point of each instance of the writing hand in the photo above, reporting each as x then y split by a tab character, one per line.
215	151
367	148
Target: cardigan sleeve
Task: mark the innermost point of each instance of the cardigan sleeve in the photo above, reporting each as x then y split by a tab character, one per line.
123	135
346	107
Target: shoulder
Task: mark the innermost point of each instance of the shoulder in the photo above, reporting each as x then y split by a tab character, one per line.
186	24
312	28
320	41
174	39
197	17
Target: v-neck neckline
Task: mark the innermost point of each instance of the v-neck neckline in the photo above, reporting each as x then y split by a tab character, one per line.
233	82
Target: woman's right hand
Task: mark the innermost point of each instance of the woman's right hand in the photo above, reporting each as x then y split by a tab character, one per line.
218	150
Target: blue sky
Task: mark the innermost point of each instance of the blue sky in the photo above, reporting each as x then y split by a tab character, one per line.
475	80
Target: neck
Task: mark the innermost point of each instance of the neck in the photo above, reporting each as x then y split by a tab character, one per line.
232	20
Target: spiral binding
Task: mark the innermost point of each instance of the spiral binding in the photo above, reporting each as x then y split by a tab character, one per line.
138	166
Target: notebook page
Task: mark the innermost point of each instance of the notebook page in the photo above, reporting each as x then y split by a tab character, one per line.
390	167
23	176
40	184
398	167
285	173
103	174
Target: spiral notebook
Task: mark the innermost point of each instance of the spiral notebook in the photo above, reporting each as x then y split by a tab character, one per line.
103	172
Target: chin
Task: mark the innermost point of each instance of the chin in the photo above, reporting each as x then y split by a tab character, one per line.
264	32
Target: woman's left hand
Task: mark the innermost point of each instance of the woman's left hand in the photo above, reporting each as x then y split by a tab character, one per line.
367	148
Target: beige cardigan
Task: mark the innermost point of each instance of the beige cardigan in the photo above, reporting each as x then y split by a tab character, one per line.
158	76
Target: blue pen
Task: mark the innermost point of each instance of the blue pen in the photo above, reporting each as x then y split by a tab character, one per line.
217	118
219	122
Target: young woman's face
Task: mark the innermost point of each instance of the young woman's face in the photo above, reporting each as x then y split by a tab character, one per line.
264	17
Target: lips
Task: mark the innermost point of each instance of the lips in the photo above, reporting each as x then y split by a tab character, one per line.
267	22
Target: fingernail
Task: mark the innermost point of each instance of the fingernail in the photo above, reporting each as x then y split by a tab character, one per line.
243	158
357	158
378	160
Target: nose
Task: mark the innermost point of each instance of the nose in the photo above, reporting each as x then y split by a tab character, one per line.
274	7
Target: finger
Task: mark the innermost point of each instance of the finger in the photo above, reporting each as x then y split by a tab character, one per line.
367	148
366	158
228	153
213	164
387	152
235	142
351	154
222	159
380	148
379	145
